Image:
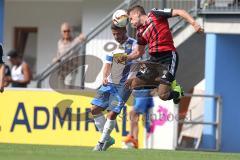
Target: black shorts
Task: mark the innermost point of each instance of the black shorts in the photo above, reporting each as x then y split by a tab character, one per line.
164	65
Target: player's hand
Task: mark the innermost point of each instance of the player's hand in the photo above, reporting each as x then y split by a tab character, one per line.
81	37
55	59
128	83
121	59
8	79
105	81
198	28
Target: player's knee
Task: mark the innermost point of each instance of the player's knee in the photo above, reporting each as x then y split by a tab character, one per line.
164	97
164	92
134	117
95	110
112	115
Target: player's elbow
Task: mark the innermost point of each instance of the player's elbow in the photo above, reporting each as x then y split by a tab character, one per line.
27	79
138	54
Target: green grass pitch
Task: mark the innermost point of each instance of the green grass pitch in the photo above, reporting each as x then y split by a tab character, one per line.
42	152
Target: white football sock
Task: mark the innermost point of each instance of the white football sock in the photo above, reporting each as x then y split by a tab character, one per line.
108	127
99	121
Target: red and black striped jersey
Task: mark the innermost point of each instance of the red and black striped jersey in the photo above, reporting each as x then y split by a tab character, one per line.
156	32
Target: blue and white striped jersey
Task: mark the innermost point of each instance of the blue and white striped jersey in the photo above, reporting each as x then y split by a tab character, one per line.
120	72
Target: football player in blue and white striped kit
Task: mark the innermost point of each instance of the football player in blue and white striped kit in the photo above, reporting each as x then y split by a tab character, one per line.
113	93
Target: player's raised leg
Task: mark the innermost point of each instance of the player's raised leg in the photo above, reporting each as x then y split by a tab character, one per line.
100	103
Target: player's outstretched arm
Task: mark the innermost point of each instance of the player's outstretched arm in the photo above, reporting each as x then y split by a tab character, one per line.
137	52
188	18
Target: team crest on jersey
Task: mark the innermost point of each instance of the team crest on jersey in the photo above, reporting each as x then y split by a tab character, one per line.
128	46
116	103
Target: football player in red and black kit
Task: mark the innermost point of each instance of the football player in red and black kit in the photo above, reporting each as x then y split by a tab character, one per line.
153	30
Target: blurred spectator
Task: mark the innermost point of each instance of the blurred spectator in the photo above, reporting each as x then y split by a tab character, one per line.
20	73
1	70
66	42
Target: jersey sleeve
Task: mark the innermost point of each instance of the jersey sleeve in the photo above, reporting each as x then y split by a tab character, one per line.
109	58
134	45
166	12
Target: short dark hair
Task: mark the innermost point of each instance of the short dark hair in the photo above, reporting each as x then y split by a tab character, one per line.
114	27
137	8
13	54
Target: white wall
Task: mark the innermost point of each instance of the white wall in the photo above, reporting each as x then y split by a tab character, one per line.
31	51
47	17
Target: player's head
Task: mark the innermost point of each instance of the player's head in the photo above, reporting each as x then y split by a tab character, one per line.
66	31
134	15
119	33
14	57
